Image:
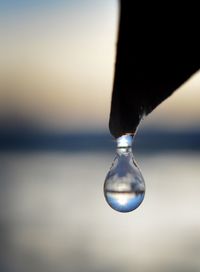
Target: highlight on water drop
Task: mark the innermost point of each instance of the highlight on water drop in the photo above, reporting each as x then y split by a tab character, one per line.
124	186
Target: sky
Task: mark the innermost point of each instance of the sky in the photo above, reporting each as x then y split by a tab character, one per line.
57	65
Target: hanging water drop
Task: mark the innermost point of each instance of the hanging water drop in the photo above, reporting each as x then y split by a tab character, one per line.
124	186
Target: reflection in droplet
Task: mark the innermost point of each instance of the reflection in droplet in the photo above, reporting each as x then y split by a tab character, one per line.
124	187
124	202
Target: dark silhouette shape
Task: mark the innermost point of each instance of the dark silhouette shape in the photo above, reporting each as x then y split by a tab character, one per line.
157	50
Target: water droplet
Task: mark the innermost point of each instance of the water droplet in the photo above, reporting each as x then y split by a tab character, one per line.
124	186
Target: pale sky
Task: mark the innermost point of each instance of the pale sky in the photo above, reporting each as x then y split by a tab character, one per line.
57	63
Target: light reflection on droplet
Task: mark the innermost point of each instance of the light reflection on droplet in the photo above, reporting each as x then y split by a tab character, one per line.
124	202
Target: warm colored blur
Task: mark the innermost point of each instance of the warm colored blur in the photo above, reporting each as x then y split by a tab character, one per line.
57	62
56	71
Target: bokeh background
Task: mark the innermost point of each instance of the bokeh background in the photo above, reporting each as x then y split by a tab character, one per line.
56	72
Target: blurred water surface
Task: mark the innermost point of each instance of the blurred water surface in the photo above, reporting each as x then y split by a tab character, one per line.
53	216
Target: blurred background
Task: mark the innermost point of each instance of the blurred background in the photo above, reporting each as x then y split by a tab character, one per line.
56	73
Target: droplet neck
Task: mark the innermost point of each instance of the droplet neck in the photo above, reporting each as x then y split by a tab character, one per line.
124	144
125	141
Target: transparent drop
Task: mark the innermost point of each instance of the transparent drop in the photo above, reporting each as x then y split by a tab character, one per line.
124	186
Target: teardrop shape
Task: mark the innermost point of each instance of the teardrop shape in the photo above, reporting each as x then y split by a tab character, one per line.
124	186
